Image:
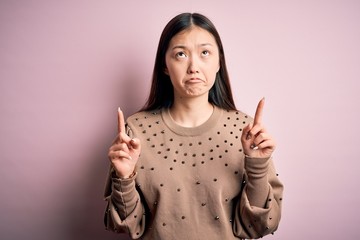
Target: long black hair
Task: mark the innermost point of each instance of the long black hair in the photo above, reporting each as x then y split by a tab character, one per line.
162	92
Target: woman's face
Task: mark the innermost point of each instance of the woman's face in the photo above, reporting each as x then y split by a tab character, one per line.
192	61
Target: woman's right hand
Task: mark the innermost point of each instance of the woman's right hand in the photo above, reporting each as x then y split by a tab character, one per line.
125	151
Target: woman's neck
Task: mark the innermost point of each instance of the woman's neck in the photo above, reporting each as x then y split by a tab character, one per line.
191	113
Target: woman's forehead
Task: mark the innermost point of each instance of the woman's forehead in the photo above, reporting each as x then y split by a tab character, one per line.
192	35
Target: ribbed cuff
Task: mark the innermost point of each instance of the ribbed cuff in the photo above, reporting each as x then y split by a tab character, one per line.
124	195
256	167
257	187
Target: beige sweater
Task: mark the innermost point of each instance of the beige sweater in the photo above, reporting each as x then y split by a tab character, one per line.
193	183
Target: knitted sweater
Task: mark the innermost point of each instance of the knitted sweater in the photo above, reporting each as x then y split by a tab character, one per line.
193	183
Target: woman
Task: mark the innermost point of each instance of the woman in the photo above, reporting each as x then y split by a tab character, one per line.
189	165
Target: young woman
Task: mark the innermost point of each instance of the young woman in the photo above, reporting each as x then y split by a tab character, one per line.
189	165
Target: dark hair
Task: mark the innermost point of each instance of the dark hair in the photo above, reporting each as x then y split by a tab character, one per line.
162	92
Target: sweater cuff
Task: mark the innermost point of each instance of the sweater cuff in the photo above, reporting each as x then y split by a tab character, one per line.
256	167
124	186
257	186
124	195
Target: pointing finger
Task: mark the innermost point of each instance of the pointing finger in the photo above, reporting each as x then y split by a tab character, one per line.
259	111
257	118
121	122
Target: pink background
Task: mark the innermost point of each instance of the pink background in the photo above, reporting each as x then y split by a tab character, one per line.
65	68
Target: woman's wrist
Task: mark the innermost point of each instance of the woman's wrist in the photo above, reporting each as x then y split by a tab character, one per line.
129	176
114	174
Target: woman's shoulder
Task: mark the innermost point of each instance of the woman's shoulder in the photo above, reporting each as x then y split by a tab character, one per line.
236	115
144	115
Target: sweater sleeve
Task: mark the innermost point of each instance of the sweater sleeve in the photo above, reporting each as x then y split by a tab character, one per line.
125	212
258	210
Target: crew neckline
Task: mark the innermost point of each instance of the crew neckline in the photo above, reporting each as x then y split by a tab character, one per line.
191	131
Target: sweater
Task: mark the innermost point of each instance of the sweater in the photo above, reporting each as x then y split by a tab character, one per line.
193	183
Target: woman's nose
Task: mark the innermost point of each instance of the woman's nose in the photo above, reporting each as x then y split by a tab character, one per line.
193	66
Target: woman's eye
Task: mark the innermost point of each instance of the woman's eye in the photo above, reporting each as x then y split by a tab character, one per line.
205	53
180	54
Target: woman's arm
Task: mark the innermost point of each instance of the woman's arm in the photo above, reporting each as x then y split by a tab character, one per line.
256	221
125	212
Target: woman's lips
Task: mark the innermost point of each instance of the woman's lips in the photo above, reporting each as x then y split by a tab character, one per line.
194	80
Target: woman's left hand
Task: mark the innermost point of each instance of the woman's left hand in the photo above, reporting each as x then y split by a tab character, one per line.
256	141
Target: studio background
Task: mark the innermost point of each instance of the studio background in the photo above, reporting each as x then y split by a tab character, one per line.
65	67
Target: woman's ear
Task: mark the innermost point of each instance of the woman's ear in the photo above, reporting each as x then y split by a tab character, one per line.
166	71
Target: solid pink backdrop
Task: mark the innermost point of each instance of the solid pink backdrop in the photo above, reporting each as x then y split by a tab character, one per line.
66	67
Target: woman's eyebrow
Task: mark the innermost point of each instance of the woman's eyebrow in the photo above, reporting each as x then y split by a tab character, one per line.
205	44
179	46
184	47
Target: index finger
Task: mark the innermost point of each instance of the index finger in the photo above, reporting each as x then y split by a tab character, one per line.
121	121
259	111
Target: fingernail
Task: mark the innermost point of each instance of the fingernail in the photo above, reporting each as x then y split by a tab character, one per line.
119	110
254	147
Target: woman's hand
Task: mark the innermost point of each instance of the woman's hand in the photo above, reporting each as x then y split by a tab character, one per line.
256	141
125	151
